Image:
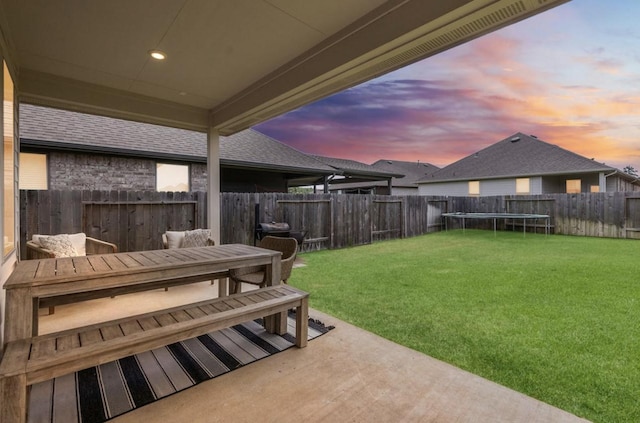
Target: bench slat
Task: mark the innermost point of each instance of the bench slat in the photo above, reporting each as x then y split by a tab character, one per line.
67	342
181	316
148	323
246	300
43	347
196	312
111	332
222	307
165	319
209	309
89	337
130	327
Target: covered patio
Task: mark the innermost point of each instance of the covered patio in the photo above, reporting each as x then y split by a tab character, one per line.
229	65
347	374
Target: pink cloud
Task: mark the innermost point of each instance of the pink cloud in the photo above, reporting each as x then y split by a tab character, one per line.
451	105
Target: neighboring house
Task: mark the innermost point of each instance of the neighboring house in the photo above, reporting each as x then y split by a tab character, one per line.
354	172
68	150
400	185
522	164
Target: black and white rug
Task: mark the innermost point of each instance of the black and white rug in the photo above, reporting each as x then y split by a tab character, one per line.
100	393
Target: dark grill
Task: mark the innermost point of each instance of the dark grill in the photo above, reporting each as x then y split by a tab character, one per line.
280	229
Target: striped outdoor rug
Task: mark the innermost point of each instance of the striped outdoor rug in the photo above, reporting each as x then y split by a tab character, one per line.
100	393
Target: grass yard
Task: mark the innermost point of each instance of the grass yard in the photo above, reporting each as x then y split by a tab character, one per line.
556	317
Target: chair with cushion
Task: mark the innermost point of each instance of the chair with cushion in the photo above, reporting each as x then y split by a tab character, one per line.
256	275
186	239
66	245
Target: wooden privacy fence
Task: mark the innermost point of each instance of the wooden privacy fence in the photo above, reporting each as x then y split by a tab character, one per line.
135	220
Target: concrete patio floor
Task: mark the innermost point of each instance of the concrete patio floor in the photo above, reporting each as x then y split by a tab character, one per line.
347	375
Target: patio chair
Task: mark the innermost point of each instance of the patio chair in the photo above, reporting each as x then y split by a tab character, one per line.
256	275
185	239
66	245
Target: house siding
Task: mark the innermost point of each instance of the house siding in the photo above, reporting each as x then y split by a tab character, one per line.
615	183
82	171
497	187
458	189
404	191
536	185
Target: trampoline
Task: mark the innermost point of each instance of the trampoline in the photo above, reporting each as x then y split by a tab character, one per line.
495	216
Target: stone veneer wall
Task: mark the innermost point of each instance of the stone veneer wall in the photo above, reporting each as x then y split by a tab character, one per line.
99	172
103	172
83	171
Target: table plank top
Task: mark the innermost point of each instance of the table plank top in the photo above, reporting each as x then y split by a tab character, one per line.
33	273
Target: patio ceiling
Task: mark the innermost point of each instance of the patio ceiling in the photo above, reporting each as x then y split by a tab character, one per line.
230	63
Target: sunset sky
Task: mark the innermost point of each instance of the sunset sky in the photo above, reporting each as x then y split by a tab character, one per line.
570	76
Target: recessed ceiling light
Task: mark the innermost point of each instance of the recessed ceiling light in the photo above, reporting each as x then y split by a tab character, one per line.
157	54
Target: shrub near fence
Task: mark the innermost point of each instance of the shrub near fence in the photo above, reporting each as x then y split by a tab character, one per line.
135	220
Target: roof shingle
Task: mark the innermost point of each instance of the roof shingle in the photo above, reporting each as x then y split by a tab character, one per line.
517	155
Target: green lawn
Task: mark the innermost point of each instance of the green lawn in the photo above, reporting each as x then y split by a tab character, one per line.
555	317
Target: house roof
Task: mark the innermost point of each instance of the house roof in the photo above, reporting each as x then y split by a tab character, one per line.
230	64
515	156
412	173
354	169
50	128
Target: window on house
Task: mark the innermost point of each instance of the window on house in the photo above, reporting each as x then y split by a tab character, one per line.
523	186
8	159
172	177
573	186
595	188
33	171
474	187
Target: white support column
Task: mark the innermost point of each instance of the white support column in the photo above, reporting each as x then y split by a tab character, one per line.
213	183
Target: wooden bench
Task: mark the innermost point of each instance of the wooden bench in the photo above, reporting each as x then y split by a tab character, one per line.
29	361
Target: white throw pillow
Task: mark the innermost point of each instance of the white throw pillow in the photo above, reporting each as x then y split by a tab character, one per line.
174	239
79	242
59	245
196	238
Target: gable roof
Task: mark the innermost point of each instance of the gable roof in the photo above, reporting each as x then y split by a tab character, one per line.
43	127
516	156
413	171
71	131
354	169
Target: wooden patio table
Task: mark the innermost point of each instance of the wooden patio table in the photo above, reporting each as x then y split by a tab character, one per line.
57	281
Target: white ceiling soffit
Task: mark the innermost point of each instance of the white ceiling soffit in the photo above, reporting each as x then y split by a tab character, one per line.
264	100
231	63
